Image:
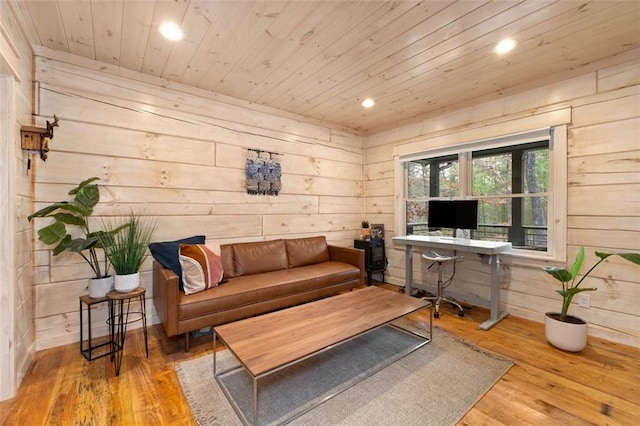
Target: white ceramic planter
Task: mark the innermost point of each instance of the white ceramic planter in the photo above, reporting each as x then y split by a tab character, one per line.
127	283
99	287
571	337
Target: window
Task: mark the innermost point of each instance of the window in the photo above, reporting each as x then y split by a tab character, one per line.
428	178
511	185
511	177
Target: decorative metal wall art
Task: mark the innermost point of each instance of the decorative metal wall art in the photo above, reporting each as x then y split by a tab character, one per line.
263	172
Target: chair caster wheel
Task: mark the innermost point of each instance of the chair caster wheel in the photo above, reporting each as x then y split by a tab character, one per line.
460	314
436	314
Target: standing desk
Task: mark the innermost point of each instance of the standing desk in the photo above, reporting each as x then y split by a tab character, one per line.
490	249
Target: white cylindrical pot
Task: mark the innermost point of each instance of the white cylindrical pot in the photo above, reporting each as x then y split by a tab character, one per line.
568	336
99	287
127	283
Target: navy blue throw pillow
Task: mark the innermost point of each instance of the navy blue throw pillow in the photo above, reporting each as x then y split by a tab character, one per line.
167	253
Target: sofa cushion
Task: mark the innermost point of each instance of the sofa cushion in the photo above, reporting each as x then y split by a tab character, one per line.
167	253
249	289
201	266
258	257
307	251
226	253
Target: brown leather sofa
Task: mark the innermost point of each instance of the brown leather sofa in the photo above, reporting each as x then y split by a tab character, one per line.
258	277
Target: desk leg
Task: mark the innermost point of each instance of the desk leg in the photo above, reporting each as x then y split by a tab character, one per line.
408	272
494	301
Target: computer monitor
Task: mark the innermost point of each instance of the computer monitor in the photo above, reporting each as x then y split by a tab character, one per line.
454	214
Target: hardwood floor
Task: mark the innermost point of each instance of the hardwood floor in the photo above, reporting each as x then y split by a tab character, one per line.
600	385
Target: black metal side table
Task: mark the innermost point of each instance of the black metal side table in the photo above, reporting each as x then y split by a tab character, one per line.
90	349
120	315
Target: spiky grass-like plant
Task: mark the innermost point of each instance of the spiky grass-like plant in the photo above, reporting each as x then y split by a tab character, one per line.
127	242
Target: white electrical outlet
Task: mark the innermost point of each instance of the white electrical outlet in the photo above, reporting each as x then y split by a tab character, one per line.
584	300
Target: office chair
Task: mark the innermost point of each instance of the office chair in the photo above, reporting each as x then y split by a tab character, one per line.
434	258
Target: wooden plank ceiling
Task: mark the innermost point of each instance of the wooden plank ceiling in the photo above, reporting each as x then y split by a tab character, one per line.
320	59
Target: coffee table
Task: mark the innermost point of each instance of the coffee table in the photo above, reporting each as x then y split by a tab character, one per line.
269	343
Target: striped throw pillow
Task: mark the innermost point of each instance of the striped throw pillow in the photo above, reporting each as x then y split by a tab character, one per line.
201	266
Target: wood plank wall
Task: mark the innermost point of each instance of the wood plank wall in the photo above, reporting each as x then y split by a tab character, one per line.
179	154
603	195
17	339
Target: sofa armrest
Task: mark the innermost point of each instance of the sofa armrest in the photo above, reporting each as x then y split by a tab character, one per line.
166	294
349	255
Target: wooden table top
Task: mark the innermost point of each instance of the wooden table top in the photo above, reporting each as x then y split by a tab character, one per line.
269	341
118	295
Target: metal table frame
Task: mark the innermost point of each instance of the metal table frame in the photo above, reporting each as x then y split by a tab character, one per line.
119	317
350	383
88	350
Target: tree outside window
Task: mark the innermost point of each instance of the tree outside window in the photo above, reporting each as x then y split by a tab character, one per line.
429	178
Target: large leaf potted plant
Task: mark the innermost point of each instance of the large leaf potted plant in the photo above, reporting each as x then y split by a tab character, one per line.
566	331
125	245
75	214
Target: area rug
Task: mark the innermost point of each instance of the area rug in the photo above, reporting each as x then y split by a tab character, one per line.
434	385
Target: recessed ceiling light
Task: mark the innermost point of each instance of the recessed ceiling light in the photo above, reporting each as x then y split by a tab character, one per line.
171	31
368	103
506	45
